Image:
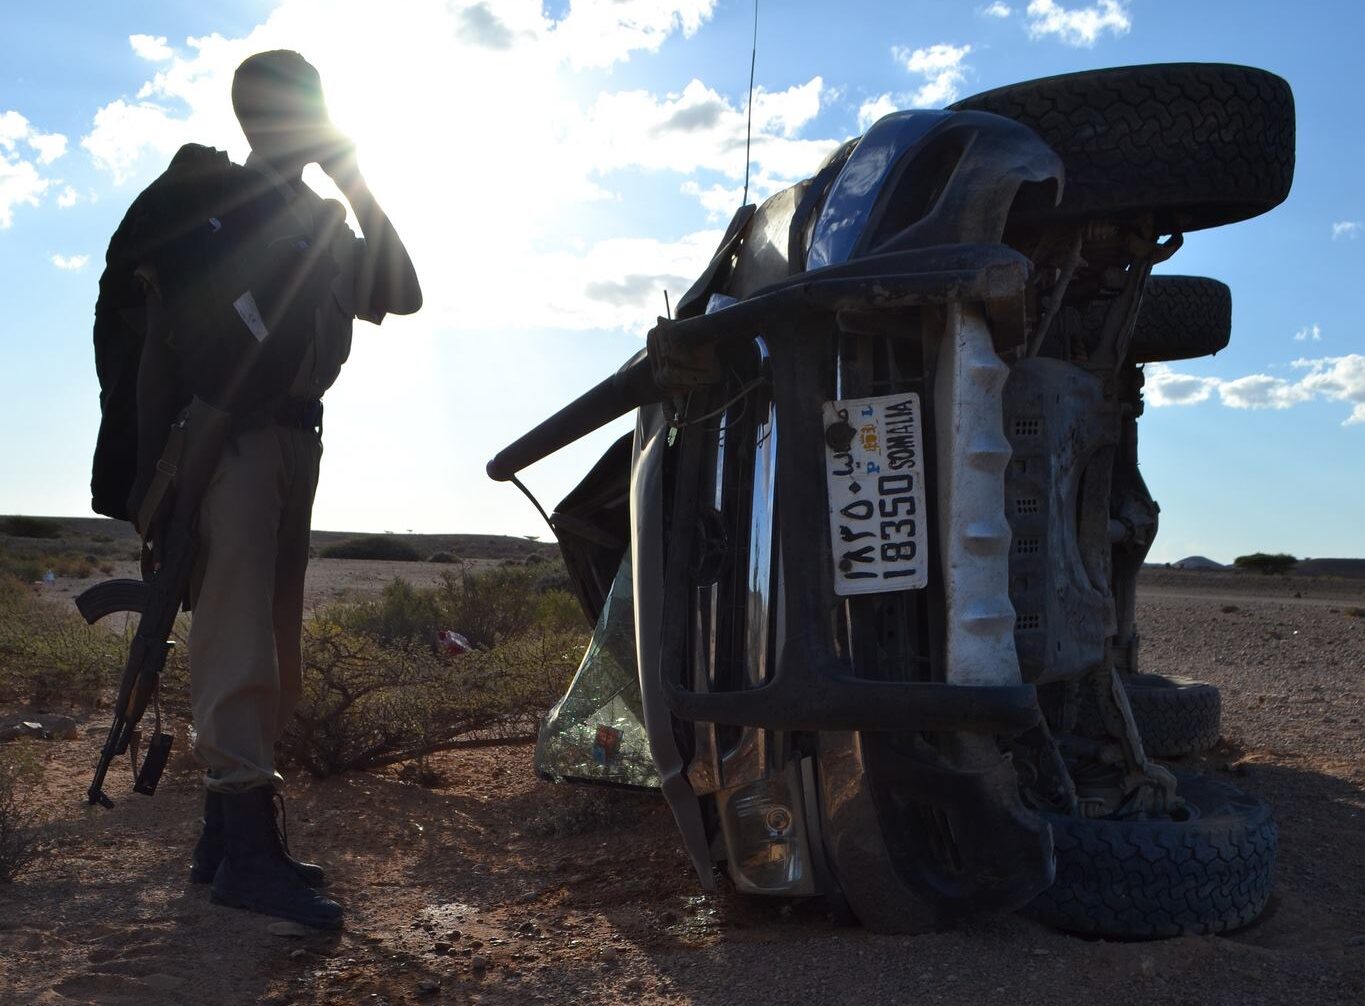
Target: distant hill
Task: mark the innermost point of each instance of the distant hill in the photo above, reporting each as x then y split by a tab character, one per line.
1197	562
1352	568
113	537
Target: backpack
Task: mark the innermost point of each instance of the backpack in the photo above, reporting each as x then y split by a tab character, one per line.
239	288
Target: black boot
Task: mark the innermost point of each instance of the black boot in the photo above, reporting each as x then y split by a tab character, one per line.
208	851
254	872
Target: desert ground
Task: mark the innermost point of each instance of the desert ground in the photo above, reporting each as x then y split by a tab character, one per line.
480	884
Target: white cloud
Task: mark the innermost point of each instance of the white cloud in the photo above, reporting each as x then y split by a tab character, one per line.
70	263
152	48
123	132
21	181
997	9
942	68
719	201
68	198
874	108
1163	386
1331	378
1080	26
1262	391
1313	332
598	33
487	146
1345	229
1338	379
49	146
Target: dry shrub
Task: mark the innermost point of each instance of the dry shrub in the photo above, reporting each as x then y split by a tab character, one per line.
49	657
20	770
369	703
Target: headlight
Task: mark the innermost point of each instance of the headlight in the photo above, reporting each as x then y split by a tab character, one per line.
764	827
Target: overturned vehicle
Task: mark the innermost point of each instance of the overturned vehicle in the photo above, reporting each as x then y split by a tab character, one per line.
863	576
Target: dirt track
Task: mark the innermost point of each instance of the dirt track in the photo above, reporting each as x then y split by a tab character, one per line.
573	897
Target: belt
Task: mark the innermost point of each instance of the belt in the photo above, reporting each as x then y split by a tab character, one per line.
294	413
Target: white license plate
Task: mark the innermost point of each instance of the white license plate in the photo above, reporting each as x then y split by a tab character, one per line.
874	469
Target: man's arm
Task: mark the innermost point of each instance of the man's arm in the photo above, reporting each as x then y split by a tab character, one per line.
394	280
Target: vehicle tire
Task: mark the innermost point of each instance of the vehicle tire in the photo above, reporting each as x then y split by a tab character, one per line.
1139	880
1175	716
1199	144
1181	318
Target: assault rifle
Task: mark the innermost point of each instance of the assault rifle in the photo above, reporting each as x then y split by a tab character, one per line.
193	451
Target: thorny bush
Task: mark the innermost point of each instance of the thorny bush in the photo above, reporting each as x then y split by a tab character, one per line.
19	845
377	691
367	703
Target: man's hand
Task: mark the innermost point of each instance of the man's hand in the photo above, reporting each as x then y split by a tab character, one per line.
337	158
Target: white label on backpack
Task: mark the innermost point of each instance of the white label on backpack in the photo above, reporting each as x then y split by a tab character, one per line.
251	316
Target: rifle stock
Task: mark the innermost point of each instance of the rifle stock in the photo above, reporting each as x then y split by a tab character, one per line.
157	599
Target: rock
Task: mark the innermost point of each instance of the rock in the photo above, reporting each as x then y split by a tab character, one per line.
428	986
49	726
1147	967
442	948
163	983
298	955
635	985
60	728
609	955
285	928
479	963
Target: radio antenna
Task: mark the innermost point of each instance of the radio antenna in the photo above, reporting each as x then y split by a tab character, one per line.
749	127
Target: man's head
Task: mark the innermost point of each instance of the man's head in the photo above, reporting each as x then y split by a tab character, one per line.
277	96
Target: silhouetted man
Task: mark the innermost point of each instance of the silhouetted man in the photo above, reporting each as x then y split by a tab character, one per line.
245	637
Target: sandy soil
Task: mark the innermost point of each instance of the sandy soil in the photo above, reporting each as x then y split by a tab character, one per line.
570	895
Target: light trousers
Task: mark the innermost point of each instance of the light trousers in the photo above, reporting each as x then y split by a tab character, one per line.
247	622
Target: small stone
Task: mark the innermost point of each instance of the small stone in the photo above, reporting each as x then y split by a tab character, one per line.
610	954
428	986
479	963
634	985
284	928
298	955
1147	967
163	983
442	948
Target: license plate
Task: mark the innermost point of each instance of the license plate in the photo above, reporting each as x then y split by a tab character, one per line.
874	470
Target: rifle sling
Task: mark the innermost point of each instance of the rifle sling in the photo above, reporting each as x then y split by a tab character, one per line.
158	491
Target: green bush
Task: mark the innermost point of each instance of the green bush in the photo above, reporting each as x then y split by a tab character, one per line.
444	557
489	606
1266	564
31	527
376	546
401	614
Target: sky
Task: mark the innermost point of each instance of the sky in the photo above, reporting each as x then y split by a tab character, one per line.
556	167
